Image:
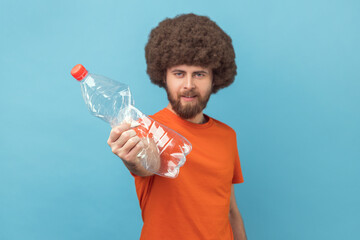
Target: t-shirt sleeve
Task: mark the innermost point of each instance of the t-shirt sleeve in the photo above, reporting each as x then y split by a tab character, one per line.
237	176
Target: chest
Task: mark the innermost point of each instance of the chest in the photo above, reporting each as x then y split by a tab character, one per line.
211	158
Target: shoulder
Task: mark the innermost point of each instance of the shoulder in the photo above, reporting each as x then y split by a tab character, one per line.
223	127
159	116
227	134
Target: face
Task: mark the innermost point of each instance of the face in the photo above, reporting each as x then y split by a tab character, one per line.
188	89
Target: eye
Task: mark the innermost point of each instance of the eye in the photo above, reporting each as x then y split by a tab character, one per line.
199	75
179	74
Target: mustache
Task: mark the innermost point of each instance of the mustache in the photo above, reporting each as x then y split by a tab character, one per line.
187	93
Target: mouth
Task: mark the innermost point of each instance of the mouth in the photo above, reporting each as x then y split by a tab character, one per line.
188	97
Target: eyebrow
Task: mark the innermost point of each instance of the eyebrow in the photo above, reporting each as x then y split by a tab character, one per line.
178	70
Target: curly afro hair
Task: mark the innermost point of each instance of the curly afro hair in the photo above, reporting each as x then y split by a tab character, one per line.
191	40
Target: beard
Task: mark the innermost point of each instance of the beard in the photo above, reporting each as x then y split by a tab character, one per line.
188	110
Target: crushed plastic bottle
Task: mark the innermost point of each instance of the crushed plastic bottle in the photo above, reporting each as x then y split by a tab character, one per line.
112	102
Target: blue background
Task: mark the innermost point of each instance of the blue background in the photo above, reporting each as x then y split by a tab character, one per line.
294	105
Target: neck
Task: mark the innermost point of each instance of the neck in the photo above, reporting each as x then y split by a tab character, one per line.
198	119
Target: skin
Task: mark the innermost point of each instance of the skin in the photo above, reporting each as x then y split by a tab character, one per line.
186	84
126	145
183	81
235	218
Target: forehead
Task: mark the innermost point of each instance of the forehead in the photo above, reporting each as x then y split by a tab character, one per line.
188	68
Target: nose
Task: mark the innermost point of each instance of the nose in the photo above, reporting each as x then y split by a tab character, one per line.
189	82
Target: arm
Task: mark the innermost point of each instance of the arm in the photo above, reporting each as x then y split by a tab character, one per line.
126	145
236	221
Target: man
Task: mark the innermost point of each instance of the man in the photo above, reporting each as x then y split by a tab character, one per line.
191	57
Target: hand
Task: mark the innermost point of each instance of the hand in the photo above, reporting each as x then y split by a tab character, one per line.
125	144
150	155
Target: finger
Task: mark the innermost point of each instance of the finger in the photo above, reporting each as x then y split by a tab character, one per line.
124	138
136	150
117	131
130	144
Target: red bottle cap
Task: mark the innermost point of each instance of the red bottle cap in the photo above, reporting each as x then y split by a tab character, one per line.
79	72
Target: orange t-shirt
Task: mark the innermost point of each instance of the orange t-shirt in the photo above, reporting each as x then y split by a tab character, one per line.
196	204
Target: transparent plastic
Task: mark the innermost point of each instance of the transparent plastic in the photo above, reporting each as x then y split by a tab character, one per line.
165	150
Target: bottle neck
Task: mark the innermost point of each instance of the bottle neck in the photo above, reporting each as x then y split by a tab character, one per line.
83	76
